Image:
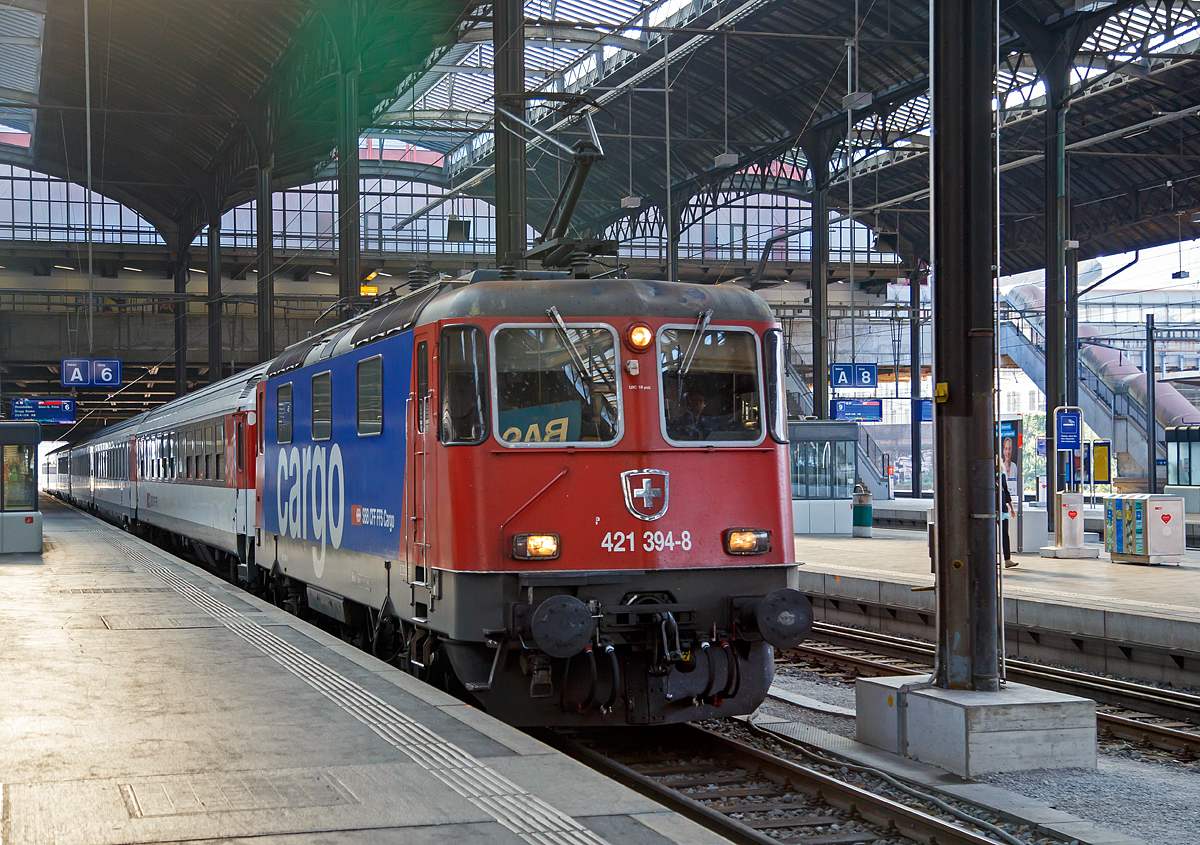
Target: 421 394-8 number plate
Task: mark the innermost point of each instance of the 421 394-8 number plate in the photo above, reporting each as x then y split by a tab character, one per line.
651	541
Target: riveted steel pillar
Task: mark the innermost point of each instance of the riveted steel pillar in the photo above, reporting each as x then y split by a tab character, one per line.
817	152
1055	246
673	234
1071	343
508	43
181	335
914	370
964	336
214	296
266	266
349	226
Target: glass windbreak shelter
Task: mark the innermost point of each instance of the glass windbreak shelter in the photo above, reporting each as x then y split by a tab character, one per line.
20	521
1183	455
823	458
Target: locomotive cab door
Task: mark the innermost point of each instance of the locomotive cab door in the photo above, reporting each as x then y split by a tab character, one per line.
421	438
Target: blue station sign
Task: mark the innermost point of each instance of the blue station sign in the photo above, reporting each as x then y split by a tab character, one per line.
1068	431
91	372
857	410
58	411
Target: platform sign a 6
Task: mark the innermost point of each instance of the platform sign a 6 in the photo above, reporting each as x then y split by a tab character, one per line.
106	372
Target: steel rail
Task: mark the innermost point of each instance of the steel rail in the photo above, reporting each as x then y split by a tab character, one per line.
853	800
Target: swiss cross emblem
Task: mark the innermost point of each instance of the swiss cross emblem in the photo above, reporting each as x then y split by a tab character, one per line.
646	492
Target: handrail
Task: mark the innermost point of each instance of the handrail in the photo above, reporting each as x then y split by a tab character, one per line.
1118	404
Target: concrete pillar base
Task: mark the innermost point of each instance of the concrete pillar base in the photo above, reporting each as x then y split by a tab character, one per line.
972	733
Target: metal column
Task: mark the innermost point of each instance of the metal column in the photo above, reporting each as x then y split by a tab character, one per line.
914	369
508	44
266	267
819	285
964	64
673	233
349	226
1055	240
181	335
1071	344
1151	423
214	296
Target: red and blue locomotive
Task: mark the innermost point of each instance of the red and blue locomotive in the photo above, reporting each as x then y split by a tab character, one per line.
567	497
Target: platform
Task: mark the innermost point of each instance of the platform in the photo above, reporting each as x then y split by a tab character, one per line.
147	701
1153	613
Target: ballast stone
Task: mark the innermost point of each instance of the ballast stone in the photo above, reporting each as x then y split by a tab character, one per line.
971	733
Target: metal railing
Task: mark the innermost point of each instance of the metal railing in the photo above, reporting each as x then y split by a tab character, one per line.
1118	405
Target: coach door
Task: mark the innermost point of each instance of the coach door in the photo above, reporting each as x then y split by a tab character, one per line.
237	466
421	437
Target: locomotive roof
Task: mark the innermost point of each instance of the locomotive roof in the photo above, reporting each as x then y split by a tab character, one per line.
577	298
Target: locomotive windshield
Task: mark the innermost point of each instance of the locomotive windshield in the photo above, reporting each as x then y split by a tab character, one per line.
710	384
556	387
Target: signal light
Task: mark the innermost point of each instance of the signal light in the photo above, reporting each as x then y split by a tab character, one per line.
535	546
639	337
747	541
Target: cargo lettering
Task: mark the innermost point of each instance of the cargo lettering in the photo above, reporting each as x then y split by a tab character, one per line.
316	496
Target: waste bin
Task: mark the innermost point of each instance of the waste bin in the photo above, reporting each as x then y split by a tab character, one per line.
862	511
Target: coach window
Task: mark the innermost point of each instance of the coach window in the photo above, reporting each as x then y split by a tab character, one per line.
208	453
220	447
283	413
322	406
370	396
190	451
463	363
422	385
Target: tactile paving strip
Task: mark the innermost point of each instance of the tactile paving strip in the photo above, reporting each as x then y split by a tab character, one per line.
526	815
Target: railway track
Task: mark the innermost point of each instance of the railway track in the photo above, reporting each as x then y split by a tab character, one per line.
1163	718
750	796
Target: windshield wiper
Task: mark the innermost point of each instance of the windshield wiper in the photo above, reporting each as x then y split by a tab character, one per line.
694	346
572	349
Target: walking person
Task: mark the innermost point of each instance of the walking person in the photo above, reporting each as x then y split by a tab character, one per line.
1006	512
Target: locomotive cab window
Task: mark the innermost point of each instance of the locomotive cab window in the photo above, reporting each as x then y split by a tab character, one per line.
370	396
422	386
463	363
283	413
710	386
322	406
556	387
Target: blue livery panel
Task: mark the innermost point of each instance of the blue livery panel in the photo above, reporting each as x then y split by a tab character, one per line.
346	492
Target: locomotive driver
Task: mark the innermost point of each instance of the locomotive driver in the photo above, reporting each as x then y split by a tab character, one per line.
693	423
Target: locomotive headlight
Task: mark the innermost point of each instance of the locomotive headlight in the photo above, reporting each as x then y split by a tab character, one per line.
747	541
535	546
640	337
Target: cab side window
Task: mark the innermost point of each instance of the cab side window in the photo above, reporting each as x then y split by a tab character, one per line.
283	413
464	385
370	396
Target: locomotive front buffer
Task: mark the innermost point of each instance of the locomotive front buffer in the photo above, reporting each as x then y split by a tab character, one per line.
661	658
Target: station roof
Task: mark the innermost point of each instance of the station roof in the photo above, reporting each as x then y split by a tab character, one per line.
186	97
767	80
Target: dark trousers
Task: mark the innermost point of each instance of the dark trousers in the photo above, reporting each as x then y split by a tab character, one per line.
1004	543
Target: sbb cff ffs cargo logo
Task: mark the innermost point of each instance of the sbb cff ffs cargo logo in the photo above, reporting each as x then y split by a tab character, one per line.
647	492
